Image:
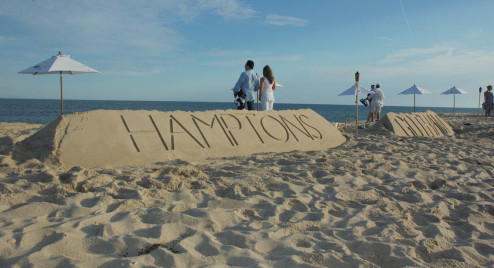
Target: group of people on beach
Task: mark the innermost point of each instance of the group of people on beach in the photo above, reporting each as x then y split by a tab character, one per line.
488	104
249	83
375	100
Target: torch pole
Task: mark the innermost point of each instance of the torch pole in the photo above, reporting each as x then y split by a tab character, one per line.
478	109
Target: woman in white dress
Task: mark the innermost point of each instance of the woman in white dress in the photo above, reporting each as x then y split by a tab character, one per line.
268	85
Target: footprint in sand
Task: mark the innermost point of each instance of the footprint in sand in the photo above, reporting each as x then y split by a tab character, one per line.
295	205
231	238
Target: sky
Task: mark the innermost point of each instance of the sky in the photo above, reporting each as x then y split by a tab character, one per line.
185	50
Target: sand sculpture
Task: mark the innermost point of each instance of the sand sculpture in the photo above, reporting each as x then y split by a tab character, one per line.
426	124
120	138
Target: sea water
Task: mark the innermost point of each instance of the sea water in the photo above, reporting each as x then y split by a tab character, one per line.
45	111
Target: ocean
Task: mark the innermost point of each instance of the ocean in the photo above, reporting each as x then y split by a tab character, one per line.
45	111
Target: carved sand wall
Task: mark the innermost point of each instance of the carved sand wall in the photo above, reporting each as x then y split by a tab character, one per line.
425	124
119	138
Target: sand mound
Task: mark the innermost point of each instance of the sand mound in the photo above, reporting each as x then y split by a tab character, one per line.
120	138
426	124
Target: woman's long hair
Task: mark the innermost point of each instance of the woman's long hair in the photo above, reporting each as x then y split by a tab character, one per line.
268	73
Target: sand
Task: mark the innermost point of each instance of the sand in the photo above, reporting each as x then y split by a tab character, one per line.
377	200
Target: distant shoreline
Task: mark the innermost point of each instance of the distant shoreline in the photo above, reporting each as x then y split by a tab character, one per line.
46	110
223	102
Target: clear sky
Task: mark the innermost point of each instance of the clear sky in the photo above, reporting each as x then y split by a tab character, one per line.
188	50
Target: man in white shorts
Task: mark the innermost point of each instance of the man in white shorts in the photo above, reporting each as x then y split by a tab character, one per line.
377	102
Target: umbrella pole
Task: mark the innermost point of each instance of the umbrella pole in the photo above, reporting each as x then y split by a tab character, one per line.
454	103
414	103
61	93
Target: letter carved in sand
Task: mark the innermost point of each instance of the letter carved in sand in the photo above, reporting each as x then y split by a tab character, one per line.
426	124
119	138
229	126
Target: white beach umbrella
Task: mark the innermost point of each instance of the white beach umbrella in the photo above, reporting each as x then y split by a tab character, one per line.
59	64
415	90
352	92
454	91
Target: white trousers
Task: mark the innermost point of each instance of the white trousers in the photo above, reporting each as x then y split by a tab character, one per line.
267	101
267	105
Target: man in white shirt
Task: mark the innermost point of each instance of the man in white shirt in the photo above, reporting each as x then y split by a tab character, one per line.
377	102
246	86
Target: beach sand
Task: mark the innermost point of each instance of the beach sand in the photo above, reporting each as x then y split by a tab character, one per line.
377	200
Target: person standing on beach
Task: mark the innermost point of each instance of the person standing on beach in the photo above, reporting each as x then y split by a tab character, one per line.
247	84
488	100
377	102
370	117
268	85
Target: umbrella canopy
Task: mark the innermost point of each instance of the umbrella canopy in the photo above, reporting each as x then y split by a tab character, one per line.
415	90
59	64
454	91
352	92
